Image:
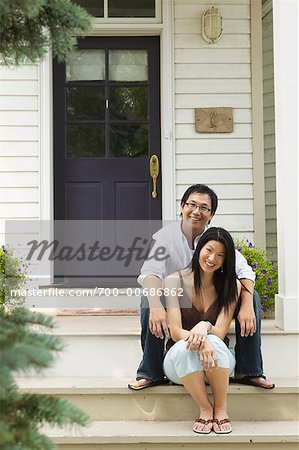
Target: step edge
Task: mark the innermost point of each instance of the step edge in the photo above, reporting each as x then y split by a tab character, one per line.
90	435
85	386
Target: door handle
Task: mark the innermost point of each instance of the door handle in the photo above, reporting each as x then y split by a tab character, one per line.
154	172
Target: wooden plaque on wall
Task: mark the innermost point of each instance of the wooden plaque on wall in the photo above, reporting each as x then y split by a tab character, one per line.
214	120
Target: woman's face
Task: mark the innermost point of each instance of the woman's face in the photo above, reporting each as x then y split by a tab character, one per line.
212	256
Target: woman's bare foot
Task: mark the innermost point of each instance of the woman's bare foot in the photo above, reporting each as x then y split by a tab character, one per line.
221	423
204	423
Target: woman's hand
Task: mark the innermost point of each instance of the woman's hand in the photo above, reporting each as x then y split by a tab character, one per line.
208	356
197	336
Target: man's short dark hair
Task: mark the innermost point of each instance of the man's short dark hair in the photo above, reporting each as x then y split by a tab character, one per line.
201	189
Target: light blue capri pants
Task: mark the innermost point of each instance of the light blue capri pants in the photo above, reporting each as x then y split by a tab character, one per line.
180	362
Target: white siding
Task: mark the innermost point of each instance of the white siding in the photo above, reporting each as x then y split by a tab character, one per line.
205	75
210	75
269	135
19	144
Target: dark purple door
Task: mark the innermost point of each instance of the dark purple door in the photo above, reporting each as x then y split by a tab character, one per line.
106	128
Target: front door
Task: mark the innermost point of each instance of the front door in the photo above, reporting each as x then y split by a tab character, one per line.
106	128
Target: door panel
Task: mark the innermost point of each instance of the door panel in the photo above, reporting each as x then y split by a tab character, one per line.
88	196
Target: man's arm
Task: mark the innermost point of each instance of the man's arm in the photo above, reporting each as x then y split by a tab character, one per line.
153	271
246	315
157	318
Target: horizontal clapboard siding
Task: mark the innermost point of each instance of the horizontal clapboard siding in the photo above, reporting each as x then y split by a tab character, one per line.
269	135
19	143
215	75
188	115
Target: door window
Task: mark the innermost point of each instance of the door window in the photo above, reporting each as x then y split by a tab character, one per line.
107	103
86	65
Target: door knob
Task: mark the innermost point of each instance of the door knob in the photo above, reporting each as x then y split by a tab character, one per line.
154	172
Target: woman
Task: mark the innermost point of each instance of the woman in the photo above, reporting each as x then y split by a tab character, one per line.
198	327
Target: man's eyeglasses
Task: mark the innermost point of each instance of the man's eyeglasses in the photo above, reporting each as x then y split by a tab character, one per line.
193	207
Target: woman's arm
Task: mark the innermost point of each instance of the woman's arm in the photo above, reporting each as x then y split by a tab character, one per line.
224	319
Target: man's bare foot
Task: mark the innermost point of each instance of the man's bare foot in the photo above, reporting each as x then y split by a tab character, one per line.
143	383
221	423
140	384
204	424
263	382
260	381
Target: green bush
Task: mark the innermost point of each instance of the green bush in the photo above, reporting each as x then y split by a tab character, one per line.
26	344
13	276
265	269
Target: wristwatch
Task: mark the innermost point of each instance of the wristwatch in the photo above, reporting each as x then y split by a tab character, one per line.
210	326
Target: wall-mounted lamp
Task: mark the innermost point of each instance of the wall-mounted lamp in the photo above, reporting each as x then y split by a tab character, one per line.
211	29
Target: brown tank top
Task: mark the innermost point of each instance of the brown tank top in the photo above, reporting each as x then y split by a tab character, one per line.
191	316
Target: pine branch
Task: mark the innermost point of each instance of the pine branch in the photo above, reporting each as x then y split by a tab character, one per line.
25	344
28	28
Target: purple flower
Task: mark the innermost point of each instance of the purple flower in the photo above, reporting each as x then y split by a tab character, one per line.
254	266
272	263
250	245
264	308
269	282
265	297
240	249
264	271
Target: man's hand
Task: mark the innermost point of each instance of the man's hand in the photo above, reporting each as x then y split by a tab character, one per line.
247	319
158	322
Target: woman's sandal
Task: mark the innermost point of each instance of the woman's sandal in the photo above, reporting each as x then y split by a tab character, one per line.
220	423
205	423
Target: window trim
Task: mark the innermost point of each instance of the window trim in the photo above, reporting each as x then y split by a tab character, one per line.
107	19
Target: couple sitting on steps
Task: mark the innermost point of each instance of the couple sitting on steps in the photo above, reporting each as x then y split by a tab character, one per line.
206	283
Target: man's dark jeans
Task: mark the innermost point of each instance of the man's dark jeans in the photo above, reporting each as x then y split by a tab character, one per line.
248	349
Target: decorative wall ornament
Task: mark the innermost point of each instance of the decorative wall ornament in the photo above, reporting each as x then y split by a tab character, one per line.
214	120
211	28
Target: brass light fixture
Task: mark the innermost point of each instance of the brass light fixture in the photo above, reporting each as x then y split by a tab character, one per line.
211	29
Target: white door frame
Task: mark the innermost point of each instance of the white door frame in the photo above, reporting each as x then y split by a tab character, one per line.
165	30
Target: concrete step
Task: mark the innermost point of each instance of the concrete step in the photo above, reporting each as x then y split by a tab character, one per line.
174	435
110	399
76	298
109	346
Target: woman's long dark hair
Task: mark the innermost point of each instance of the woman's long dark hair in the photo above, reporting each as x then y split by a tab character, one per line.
224	278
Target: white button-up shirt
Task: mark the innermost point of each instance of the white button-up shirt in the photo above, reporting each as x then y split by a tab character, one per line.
172	239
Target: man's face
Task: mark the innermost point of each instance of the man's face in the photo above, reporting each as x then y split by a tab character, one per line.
196	212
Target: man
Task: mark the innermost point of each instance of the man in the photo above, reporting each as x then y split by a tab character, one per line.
179	239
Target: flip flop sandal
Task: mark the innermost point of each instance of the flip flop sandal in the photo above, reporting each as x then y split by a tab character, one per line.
220	423
147	385
205	423
249	381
